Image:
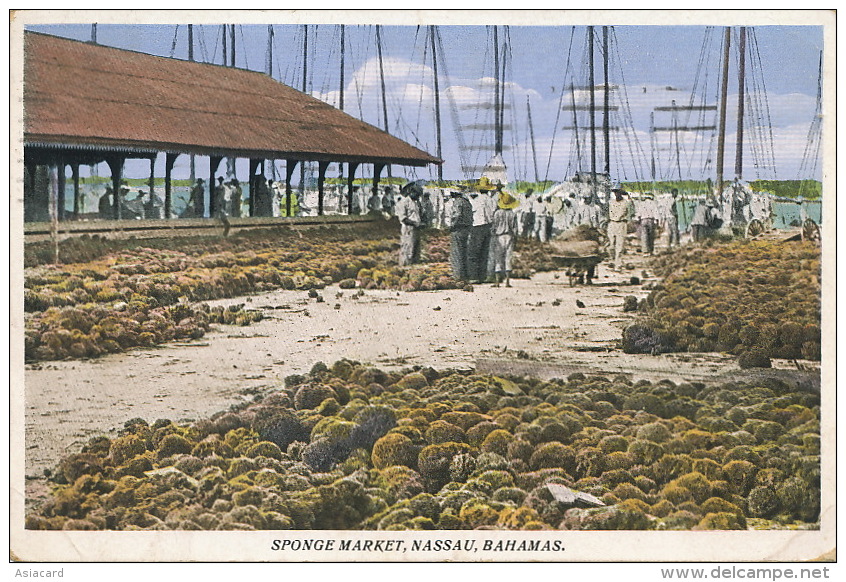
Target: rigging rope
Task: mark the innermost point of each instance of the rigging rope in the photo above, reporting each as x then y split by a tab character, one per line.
477	128
769	125
459	136
560	104
290	64
328	76
400	119
358	88
244	45
697	100
638	155
520	166
810	156
173	44
201	38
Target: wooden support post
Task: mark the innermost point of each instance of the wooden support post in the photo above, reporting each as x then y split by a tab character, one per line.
290	165
214	163
350	193
152	184
29	196
377	176
116	167
266	200
168	201
321	178
61	195
29	174
75	172
54	212
252	185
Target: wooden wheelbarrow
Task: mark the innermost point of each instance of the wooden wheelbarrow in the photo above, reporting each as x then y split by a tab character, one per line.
578	259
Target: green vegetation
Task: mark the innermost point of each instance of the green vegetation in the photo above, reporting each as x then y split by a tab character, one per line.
809	189
789	188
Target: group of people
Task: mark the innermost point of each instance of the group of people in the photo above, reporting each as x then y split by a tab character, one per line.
381	203
647	215
483	225
141	205
228	197
269	199
622	210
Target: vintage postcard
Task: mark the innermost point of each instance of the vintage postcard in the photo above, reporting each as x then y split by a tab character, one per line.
422	286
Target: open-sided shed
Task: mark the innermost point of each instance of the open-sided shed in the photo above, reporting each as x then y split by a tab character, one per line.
86	103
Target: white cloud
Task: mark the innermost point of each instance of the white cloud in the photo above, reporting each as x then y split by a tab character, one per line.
410	96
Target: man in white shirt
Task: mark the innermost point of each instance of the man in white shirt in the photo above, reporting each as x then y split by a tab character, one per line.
619	213
480	235
541	212
525	215
408	212
647	215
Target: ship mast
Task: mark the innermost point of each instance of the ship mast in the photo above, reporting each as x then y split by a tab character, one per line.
741	96
532	137
224	35
191	58
606	104
382	82
437	102
269	68
497	104
270	50
230	162
305	89
341	107
341	99
576	129
721	140
591	83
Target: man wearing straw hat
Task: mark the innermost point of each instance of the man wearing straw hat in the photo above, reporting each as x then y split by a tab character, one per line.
504	229
480	235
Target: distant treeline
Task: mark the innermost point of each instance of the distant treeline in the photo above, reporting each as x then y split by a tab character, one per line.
785	188
789	188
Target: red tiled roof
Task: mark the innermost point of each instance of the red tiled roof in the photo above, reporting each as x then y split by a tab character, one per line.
82	94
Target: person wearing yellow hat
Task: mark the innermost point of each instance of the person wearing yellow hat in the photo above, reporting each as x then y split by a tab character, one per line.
504	228
484	184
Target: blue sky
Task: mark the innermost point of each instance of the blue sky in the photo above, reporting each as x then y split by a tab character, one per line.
649	66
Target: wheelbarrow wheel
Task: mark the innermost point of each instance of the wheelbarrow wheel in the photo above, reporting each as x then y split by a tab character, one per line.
754	228
811	231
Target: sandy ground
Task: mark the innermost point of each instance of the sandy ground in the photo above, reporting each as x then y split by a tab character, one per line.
536	323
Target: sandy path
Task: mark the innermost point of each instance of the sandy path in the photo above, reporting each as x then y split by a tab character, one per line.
69	402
